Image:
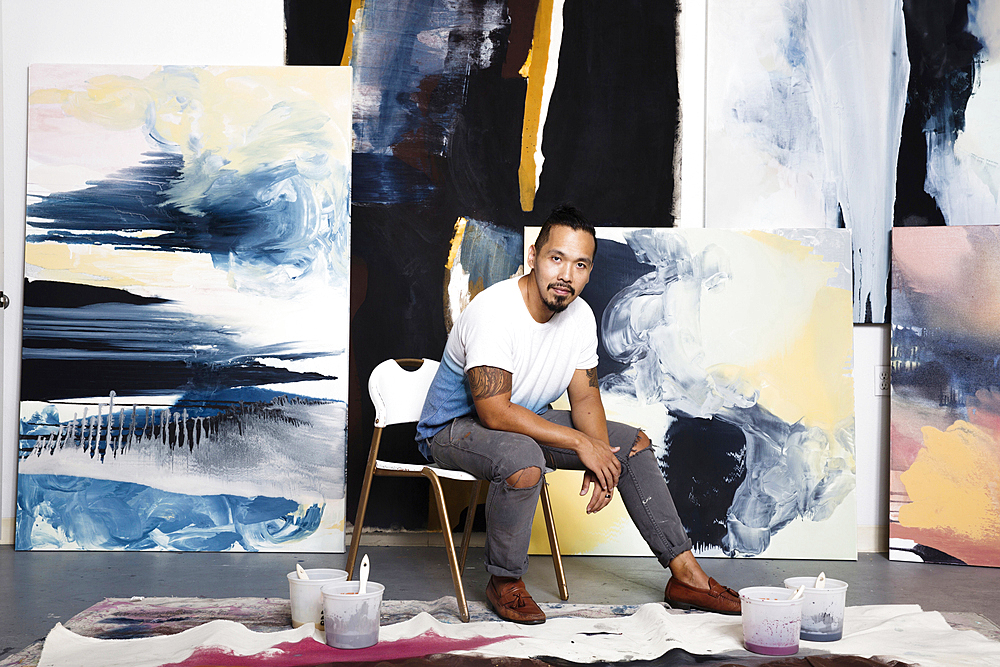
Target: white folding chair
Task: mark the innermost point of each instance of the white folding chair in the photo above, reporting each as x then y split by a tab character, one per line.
398	395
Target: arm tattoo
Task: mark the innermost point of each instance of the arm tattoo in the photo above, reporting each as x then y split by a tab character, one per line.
592	377
487	381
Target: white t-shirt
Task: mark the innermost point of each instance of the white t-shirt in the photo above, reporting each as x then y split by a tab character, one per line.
497	330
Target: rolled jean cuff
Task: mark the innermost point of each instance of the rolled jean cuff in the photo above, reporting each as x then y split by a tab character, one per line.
673	551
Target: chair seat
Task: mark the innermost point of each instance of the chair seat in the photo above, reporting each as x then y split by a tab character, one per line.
417	468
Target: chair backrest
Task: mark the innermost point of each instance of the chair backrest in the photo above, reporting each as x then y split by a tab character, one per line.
398	394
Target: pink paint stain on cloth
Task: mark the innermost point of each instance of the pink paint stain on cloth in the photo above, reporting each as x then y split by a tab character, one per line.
311	652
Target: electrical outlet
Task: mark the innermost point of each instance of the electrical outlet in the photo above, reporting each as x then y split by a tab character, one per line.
882	380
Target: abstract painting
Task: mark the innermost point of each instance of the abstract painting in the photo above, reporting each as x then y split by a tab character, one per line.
804	107
184	375
948	160
945	420
733	351
472	119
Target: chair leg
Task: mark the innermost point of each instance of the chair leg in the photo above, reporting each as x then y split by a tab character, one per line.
550	527
470	517
359	518
449	545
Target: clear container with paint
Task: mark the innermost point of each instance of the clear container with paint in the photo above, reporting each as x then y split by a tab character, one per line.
306	595
822	608
771	621
352	618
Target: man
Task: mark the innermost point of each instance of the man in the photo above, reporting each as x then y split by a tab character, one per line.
516	348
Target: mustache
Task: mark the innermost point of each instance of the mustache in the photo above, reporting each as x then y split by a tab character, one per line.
562	285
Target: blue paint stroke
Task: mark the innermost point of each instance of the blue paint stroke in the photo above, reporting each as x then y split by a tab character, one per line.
938	361
57	511
490	254
411	63
153	332
221	416
267	218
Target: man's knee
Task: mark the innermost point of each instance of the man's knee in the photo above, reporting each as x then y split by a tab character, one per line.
642	442
525	478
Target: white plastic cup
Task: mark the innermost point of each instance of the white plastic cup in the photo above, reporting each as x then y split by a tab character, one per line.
306	594
352	619
771	622
822	608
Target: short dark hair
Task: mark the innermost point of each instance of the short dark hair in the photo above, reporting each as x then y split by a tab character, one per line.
567	216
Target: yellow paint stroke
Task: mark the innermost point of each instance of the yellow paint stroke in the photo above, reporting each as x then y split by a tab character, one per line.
456	242
240	117
580	533
790	248
357	7
953	483
539	61
141	271
811	379
526	67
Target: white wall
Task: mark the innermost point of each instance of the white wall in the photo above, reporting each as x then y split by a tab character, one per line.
251	32
3	522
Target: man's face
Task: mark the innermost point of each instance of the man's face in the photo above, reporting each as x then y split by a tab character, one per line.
561	268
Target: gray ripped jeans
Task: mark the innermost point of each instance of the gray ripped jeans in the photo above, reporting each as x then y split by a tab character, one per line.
465	444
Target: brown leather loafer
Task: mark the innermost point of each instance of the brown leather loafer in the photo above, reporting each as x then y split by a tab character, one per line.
718	598
512	602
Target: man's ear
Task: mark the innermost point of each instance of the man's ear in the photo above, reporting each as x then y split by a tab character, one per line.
531	257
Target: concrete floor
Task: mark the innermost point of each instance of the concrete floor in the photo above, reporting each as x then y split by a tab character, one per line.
39	589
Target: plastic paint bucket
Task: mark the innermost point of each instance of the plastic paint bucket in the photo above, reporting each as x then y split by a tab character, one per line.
352	620
771	621
822	608
306	596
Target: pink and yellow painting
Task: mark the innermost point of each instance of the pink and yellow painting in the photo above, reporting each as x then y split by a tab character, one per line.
945	426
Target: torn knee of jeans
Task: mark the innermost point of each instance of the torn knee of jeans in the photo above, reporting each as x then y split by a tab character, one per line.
642	442
526	478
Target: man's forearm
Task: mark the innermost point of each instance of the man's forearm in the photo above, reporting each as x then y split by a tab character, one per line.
589	417
517	419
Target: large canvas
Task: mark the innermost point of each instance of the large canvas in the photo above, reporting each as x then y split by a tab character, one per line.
184	376
945	424
473	118
733	351
804	107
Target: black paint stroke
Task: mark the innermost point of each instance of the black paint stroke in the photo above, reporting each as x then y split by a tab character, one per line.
943	60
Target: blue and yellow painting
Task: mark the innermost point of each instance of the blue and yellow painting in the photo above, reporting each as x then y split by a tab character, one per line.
733	351
185	355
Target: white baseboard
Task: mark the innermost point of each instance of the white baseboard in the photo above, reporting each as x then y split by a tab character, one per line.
873	539
407	538
870	538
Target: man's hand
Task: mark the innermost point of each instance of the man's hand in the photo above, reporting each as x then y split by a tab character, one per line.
600	461
600	499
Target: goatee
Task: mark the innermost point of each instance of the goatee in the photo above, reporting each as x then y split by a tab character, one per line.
560	303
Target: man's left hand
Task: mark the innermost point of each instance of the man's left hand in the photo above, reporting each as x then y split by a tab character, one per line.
600	498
